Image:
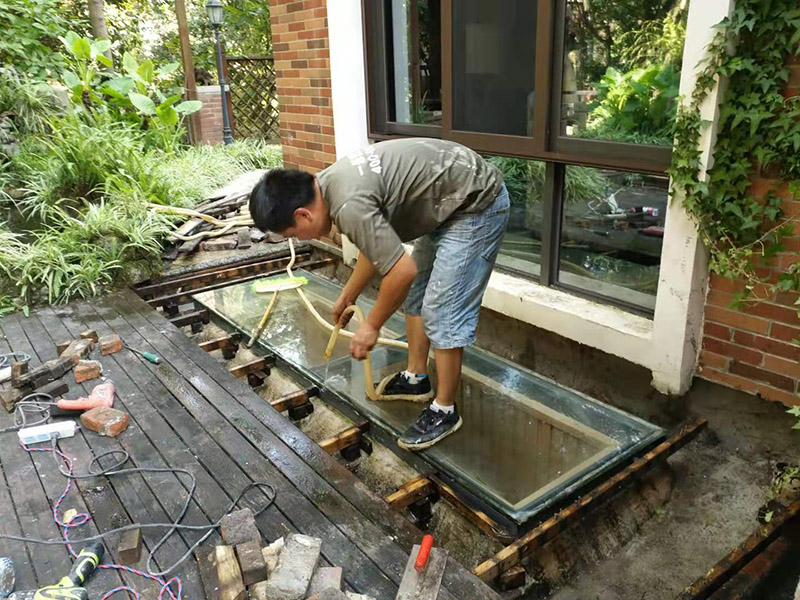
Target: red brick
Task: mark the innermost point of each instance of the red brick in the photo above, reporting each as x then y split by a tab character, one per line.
710	359
759	187
779	331
730	380
717	331
109	344
775	379
773	312
105	421
78	349
791	368
747	355
737	319
767	345
767	392
794	76
86	370
89	334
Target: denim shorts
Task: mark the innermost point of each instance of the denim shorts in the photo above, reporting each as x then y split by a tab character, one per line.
453	268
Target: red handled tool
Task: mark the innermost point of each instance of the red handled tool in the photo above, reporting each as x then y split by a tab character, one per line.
102	395
424	552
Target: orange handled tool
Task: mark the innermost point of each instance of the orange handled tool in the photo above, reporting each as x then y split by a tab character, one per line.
424	552
102	395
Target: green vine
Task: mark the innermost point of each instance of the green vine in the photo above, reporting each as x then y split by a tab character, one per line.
758	129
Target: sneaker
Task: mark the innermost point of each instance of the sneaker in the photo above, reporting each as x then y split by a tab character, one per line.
398	387
431	427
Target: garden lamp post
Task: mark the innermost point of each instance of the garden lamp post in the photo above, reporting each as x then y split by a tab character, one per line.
215	12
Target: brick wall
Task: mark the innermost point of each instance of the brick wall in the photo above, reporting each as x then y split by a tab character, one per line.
210	114
302	65
754	349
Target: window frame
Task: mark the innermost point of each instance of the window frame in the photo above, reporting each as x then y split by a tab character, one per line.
544	145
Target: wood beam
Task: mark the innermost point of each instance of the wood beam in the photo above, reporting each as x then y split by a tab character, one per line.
254	366
195	316
512	554
284	403
345	439
227	341
477	517
410	492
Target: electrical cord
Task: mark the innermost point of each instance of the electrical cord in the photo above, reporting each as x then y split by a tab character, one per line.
95	469
5	359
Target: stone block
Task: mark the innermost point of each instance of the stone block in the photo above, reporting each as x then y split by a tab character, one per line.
251	561
109	344
258	591
354	596
105	421
325	578
256	235
219	244
297	564
329	594
87	369
244	238
62	346
78	349
239	527
89	334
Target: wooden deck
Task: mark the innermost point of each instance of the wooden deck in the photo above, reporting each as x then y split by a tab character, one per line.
190	413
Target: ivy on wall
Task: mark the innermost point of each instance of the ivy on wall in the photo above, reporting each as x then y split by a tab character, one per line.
759	128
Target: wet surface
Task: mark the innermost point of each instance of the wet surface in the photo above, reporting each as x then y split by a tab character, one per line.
525	440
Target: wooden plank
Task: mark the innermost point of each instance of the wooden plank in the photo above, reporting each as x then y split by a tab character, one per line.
423	585
477	517
457	579
219	477
36	477
227	341
346	438
512	554
128	496
183	297
410	492
253	366
740	556
195	316
248	440
298	398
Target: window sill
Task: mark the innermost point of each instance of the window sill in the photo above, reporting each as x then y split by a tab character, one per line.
607	328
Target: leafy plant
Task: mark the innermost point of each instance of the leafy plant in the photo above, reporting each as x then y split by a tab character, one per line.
657	41
31	103
31	29
757	126
638	106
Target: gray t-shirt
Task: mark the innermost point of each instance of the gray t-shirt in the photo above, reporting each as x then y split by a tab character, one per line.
399	190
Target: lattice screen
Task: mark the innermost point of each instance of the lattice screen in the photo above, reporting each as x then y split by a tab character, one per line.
254	96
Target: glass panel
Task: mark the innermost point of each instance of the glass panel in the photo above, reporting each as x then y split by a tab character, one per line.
494	54
612	232
415	61
621	69
525	441
522	243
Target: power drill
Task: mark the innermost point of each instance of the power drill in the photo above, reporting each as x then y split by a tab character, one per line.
71	586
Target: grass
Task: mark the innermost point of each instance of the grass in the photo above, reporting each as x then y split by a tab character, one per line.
77	195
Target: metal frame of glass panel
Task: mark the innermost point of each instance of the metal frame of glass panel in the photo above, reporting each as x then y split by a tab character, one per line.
527	442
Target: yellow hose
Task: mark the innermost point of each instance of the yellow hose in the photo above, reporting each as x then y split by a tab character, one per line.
369	385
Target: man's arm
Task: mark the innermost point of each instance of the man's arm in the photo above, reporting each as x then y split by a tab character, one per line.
393	290
361	276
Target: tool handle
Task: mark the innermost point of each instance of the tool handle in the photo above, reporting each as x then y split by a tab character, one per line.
150	357
424	552
86	563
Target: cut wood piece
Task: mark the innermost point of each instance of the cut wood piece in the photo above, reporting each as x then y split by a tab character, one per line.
423	585
220	573
254	366
291	578
251	561
195	316
512	579
244	238
284	403
129	548
272	554
228	341
347	438
410	492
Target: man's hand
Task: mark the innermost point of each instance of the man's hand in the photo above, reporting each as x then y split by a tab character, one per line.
338	308
363	341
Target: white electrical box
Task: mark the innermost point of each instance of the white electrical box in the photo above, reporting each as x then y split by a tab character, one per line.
45	433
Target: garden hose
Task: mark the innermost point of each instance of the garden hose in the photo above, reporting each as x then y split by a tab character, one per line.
369	385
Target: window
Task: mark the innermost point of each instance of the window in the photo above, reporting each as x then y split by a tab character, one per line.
574	101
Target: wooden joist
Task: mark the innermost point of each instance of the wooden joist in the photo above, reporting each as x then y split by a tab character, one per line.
347	438
411	491
294	399
204	279
740	556
186	296
195	316
254	366
512	554
477	517
229	344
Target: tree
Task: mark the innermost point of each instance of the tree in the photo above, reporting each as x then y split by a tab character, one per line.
97	20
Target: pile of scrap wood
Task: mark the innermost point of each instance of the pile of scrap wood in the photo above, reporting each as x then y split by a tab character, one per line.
221	222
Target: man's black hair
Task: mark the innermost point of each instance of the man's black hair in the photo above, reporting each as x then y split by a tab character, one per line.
277	195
